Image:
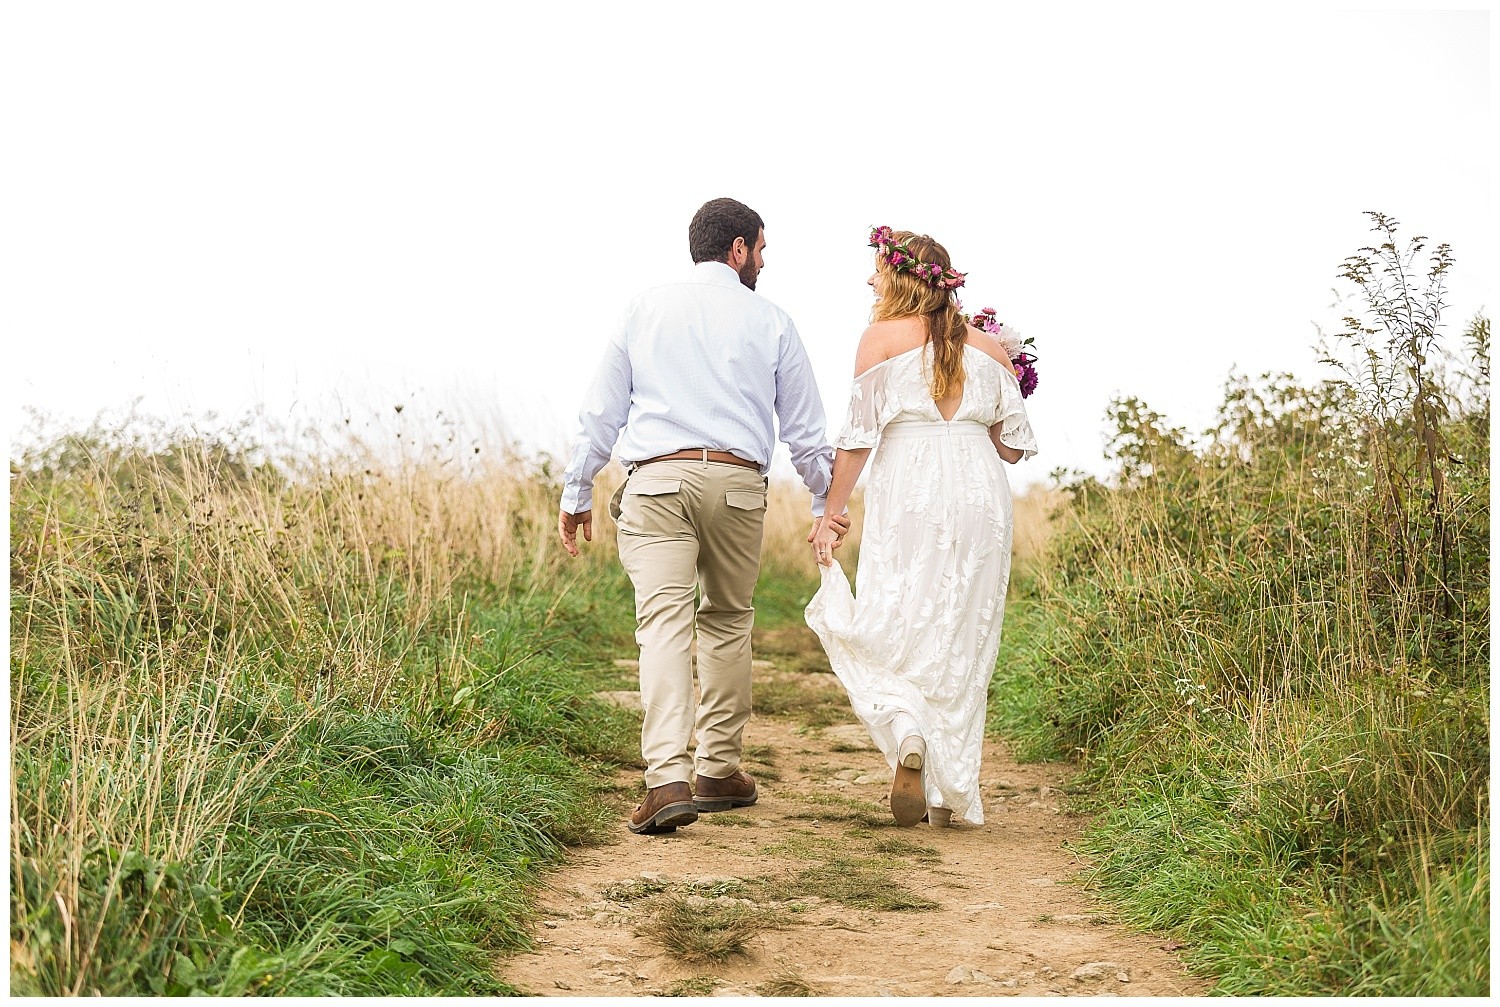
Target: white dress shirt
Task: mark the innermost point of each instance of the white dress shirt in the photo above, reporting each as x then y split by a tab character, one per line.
701	363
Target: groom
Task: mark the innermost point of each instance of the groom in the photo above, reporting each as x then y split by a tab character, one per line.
696	374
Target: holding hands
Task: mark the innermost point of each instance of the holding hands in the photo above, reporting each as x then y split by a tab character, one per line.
827	535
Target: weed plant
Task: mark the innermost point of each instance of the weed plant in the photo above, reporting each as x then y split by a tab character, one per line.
694	986
704	930
786	982
1269	649
860	883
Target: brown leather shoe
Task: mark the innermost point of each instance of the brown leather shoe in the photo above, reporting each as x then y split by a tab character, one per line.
736	790
664	809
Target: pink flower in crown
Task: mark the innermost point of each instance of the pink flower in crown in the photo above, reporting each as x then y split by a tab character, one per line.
880	236
896	258
955	281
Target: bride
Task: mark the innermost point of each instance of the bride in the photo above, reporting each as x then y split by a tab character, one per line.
939	401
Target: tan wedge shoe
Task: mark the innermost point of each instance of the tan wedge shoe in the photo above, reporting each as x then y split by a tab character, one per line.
908	800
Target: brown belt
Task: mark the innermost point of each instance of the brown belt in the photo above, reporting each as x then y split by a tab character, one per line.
702	454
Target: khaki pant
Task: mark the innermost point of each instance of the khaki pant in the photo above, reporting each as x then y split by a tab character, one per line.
691	528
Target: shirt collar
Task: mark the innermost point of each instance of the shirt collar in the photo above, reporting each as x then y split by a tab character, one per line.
718	273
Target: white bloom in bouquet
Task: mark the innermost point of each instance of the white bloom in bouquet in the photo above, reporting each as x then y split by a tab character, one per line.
1009	339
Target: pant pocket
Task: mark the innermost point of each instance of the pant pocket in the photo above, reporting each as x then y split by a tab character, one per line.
746	499
652	507
614	503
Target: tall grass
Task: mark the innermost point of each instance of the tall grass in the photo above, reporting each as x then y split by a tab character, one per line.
304	714
1269	649
292	726
1036	513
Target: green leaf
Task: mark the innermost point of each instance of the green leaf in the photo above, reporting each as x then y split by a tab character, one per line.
184	972
384	963
384	917
246	966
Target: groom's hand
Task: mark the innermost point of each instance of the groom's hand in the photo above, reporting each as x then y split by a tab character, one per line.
567	529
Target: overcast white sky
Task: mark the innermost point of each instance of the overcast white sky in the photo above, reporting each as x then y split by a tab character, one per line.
214	206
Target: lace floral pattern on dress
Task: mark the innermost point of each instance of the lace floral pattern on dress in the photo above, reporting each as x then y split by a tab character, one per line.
919	633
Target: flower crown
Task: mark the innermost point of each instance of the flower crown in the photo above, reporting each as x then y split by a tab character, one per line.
898	256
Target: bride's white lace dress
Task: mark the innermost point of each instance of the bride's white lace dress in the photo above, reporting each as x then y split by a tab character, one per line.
922	631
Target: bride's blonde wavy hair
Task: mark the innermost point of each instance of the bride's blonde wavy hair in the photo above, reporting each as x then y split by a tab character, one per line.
905	296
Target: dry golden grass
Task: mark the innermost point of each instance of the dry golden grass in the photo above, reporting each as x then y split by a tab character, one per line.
788	521
145	584
868	883
697	929
786	982
1036	514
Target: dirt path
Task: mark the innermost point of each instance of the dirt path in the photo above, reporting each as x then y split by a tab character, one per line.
815	891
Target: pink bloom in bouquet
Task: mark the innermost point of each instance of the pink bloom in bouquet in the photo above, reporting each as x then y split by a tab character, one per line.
1026	373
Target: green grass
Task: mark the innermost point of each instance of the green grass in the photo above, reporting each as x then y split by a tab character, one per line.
376	852
837	808
810	704
869	883
895	846
261	748
1274	884
1022	687
781	633
858	868
694	986
1281	730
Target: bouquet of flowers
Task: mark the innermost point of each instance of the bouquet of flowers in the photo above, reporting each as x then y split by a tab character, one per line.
1018	349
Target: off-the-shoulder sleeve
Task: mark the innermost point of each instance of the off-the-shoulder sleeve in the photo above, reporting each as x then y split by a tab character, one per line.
862	423
1011	418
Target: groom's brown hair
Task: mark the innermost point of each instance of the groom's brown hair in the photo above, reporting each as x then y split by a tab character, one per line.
715	226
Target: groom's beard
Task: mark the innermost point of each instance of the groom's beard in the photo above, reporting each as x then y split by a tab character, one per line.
748	273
